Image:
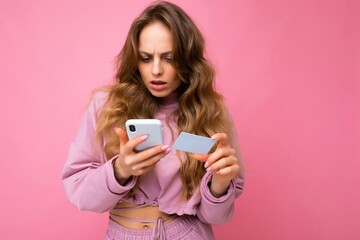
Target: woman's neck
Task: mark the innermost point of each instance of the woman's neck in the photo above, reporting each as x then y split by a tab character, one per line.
169	100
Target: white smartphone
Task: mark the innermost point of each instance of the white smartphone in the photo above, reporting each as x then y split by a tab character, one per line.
150	127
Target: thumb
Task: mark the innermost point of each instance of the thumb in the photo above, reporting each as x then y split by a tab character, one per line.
200	157
122	136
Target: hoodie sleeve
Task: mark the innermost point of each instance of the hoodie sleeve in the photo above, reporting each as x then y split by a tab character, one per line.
88	177
220	210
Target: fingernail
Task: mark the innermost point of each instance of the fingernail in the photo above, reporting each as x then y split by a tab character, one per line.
164	147
206	165
208	169
214	136
217	172
167	150
116	129
143	137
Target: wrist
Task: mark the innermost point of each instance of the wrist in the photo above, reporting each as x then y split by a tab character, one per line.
218	188
120	177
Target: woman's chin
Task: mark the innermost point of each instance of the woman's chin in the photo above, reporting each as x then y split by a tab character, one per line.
160	94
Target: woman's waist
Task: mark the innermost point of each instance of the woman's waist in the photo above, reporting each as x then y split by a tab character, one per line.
134	216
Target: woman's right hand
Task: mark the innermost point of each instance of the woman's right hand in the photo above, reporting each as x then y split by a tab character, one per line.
131	163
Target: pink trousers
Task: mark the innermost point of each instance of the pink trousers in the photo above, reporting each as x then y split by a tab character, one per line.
183	227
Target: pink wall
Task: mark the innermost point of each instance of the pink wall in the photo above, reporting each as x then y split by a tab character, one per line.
290	73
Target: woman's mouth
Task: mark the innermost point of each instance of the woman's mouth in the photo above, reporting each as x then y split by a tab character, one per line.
158	85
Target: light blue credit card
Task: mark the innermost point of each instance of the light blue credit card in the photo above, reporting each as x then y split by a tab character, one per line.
192	143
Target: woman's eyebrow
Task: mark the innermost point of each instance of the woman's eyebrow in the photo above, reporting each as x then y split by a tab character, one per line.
150	54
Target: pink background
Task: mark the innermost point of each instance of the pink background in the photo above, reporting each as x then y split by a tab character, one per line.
290	74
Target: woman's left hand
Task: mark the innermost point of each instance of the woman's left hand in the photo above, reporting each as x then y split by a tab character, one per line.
222	163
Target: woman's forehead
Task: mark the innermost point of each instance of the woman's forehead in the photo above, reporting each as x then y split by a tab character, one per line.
155	38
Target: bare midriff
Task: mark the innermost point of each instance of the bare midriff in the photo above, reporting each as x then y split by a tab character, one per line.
149	213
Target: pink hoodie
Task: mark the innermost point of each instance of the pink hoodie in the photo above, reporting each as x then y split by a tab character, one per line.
90	183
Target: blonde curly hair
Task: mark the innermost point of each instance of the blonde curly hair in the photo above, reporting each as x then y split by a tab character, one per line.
200	110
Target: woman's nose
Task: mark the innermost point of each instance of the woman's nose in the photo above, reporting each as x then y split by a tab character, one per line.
157	68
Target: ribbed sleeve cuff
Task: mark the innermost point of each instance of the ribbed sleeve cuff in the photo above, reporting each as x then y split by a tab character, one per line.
207	195
113	185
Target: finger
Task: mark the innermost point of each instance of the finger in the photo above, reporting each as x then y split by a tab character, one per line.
149	162
150	152
143	170
131	144
221	138
234	169
122	136
200	157
220	153
222	163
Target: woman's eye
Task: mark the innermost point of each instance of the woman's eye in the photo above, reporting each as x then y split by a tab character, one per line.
145	59
168	59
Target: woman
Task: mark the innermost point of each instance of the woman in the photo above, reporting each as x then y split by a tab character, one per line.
158	193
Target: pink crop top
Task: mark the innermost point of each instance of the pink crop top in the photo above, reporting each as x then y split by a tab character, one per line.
90	184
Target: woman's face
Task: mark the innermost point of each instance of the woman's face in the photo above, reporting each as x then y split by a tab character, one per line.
155	50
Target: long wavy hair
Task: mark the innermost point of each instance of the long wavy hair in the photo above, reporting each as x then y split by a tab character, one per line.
200	107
